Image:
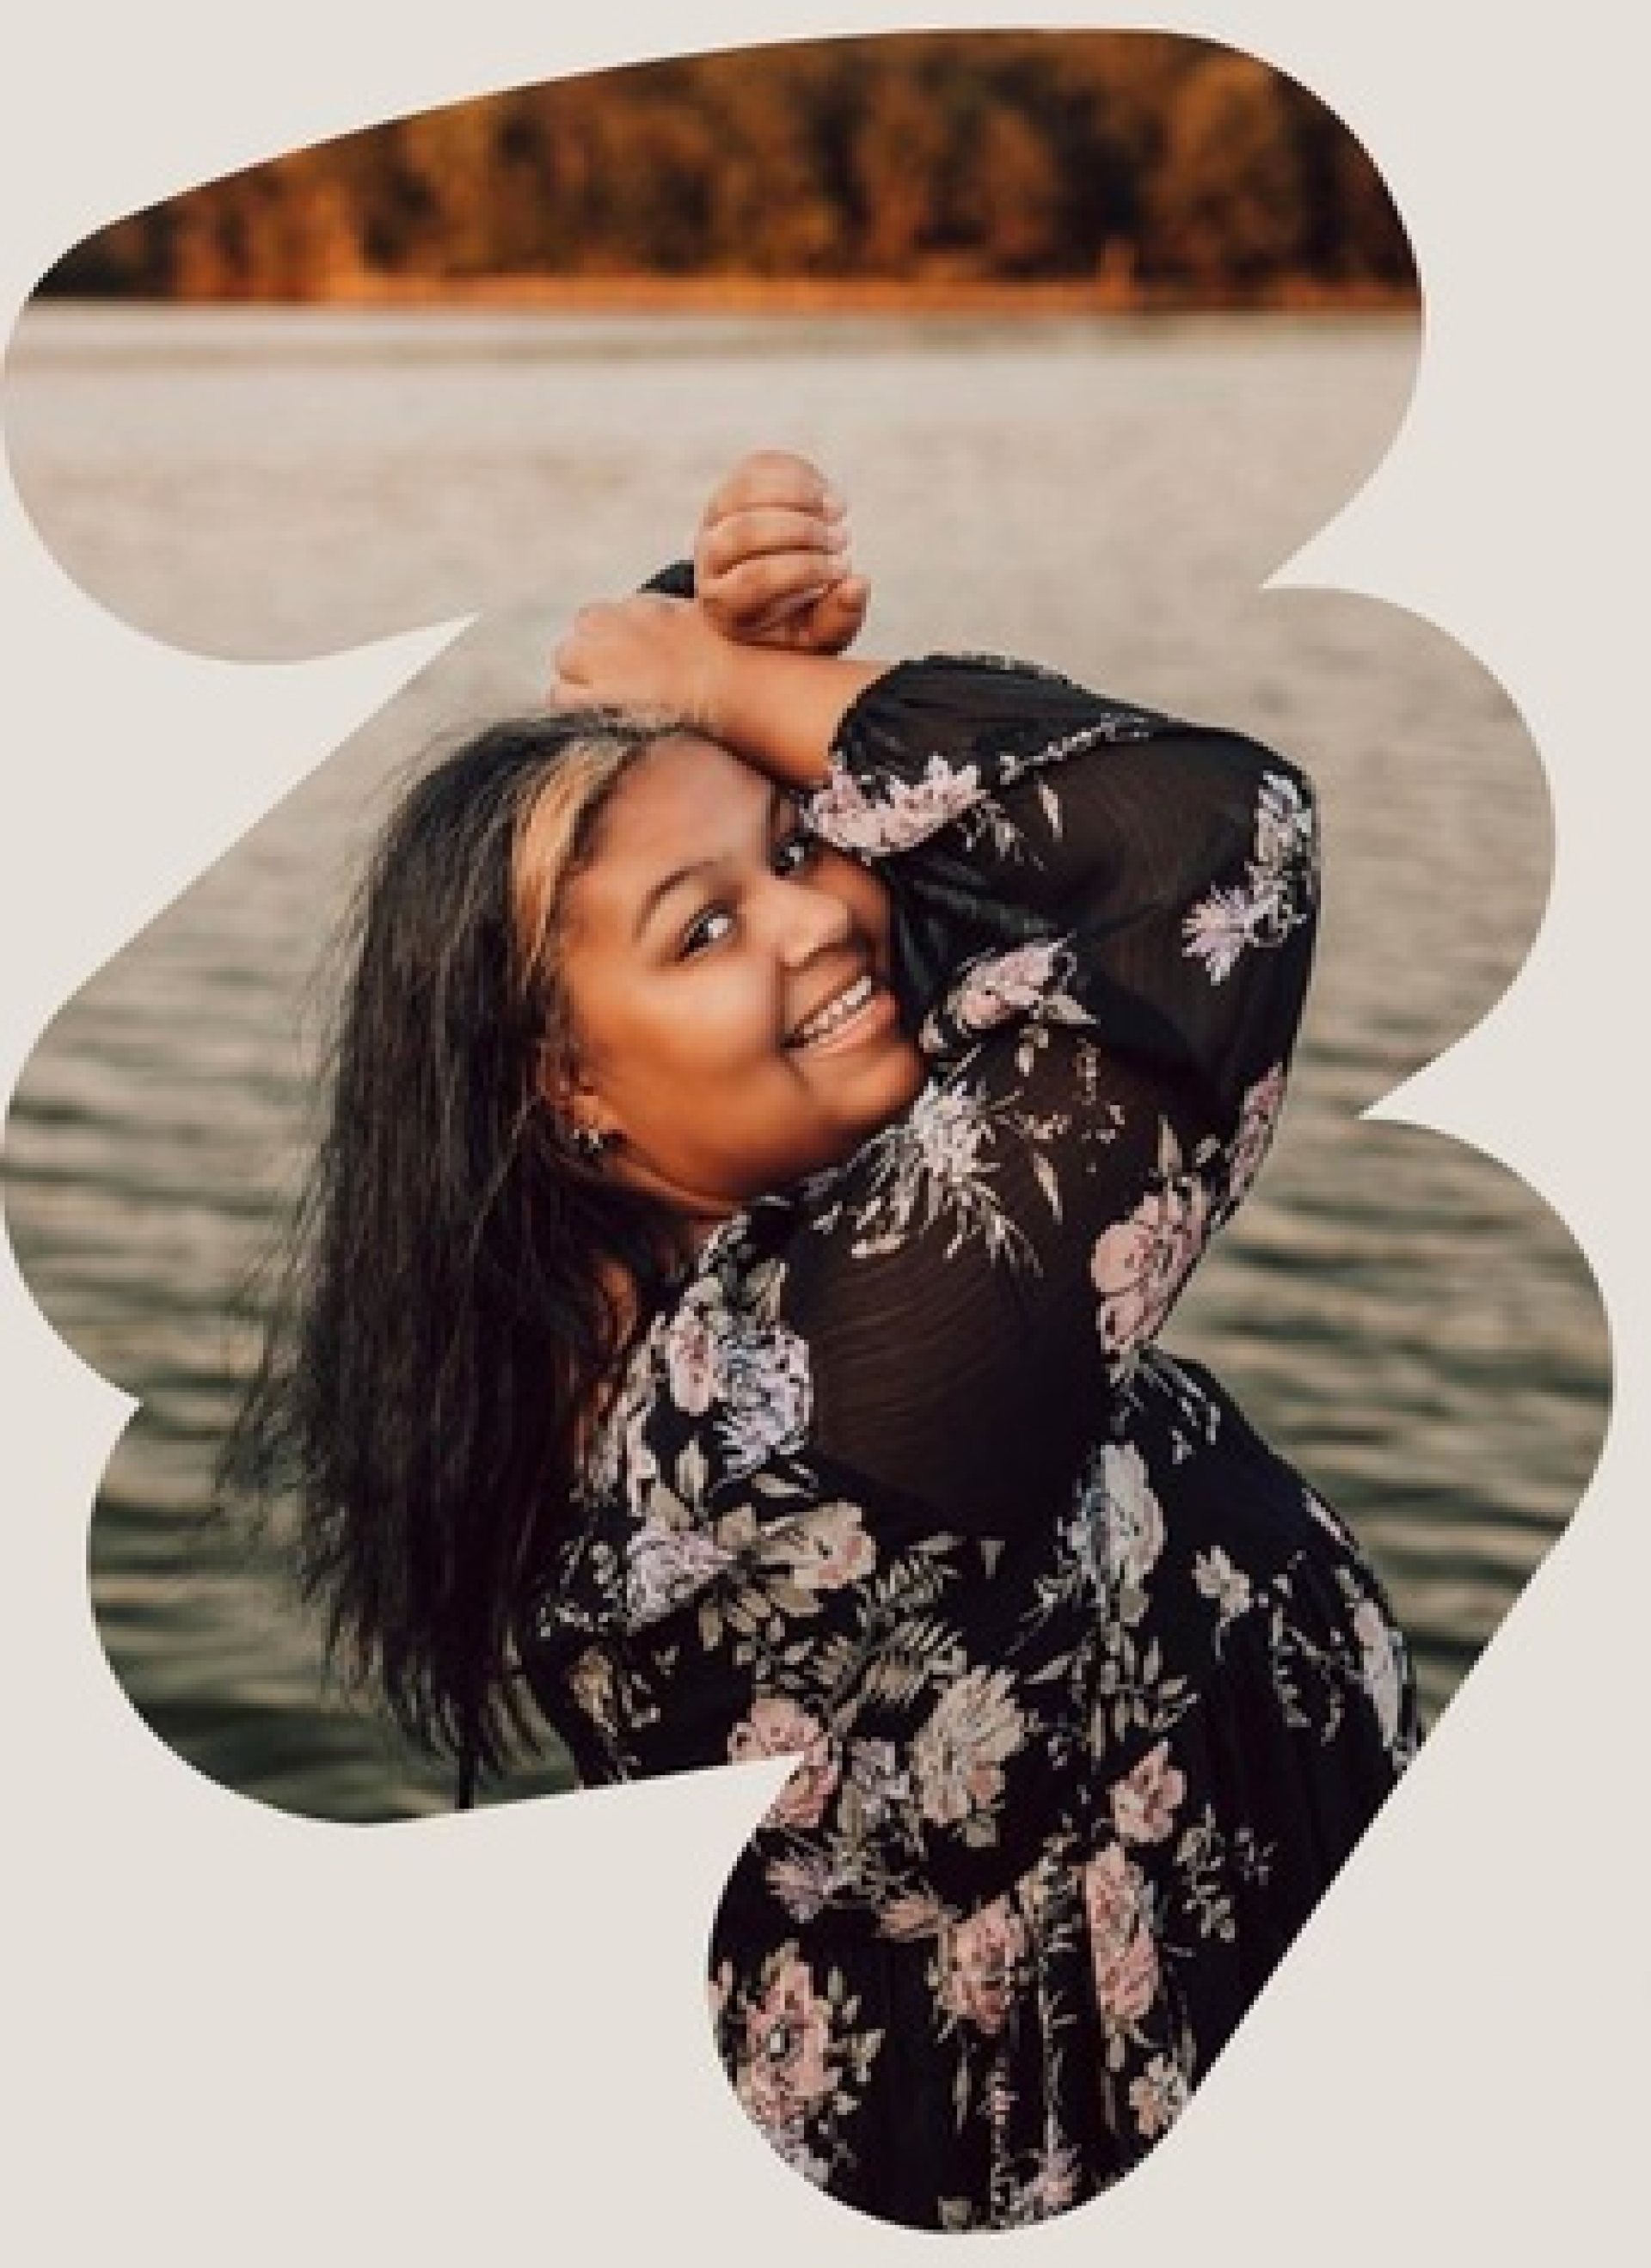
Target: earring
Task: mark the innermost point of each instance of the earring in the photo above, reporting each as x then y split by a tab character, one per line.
589	1143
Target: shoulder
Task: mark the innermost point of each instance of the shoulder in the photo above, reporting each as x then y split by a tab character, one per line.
715	1381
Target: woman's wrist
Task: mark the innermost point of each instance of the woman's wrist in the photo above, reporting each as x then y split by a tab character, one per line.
781	710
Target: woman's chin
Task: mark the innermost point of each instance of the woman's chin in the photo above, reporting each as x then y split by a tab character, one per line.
873	1088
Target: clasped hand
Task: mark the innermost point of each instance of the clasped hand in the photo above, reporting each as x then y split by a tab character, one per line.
771	567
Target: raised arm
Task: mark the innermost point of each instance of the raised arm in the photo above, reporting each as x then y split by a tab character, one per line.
1108	921
1173	865
777	707
1053	852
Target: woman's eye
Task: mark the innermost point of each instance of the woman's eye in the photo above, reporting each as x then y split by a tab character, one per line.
797	852
714	923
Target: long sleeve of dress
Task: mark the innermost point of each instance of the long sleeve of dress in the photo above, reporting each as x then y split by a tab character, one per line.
1104	923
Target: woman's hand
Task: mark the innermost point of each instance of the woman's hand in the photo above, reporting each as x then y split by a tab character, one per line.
753	660
648	654
771	563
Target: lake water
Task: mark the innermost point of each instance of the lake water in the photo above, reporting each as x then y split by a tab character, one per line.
1402	1315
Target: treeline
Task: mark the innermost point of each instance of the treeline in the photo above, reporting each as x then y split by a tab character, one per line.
1144	164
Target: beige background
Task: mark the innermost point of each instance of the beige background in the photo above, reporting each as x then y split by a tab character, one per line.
235	2036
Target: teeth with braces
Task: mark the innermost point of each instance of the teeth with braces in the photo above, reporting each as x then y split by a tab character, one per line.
827	1020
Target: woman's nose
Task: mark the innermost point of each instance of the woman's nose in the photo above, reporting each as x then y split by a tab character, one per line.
811	917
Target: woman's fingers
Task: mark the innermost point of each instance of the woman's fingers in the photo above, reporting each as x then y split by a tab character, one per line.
760	531
828	622
772	476
645	652
577	655
756	566
759	593
839	615
772	544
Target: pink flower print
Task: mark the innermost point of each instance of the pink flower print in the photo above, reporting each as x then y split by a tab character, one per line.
1053	2187
1122	1948
591	1681
1258	1117
897	814
763	1389
1285	827
1139	1264
778	1727
1219	928
830	1548
961	1747
978	1960
1144	1800
911	1914
1278	890
1132	1518
784	2065
1157	2097
691	1356
1006	984
665	1566
802	1882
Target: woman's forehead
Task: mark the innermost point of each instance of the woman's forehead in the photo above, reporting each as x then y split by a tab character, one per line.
687	802
684	798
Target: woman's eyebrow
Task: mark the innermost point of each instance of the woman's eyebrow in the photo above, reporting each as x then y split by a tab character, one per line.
663	889
781	802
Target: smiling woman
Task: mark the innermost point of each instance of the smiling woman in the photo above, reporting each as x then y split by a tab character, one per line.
728	974
779	1104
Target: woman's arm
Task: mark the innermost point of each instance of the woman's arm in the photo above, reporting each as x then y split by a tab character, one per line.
1050	851
1106	922
778	709
771	577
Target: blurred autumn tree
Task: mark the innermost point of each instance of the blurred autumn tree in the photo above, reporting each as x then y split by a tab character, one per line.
1161	166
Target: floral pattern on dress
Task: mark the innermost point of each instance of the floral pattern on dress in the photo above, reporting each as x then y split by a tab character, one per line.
1138	1264
1088	1694
1278	891
796	2056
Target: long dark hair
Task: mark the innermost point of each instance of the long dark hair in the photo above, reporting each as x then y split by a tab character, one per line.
446	1311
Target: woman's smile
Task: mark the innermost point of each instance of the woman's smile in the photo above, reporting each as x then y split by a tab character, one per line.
861	1010
727	976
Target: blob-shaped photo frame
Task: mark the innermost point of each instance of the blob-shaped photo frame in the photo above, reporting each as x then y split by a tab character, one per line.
1255	661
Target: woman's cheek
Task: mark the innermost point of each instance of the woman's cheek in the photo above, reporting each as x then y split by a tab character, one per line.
730	1017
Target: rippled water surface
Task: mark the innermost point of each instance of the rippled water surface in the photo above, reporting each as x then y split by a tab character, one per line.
1402	1315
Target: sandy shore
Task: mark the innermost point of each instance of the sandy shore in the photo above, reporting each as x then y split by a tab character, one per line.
846	295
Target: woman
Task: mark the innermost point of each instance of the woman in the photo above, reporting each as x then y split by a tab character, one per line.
780	1100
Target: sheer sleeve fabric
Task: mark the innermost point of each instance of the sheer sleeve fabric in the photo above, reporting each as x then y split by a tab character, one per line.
1104	922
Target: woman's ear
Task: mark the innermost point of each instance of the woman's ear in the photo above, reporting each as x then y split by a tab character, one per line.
566	1089
556	1072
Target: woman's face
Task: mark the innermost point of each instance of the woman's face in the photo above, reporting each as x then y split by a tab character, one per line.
728	980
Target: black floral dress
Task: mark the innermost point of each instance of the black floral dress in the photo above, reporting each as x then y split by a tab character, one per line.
1092	1695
